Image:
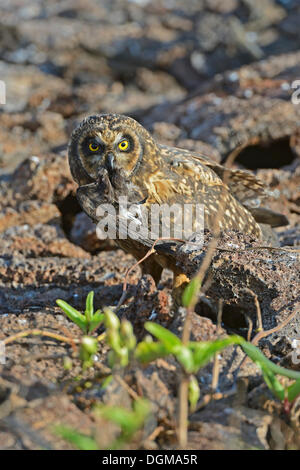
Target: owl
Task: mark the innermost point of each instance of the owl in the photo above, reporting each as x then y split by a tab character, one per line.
113	156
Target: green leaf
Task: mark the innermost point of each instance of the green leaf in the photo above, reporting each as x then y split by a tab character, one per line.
123	356
257	356
190	293
96	321
185	357
205	350
269	369
293	391
128	337
142	408
169	340
105	383
88	348
111	319
274	385
73	314
129	421
124	418
90	344
113	340
112	359
89	306
146	352
194	393
79	440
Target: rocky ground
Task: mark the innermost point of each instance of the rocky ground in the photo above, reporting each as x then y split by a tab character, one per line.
212	76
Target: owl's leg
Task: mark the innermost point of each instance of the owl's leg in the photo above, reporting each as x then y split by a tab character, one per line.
180	281
153	268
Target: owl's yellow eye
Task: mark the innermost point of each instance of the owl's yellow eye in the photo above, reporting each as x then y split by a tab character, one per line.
94	147
123	145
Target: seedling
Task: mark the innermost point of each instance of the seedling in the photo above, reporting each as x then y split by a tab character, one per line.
192	356
87	322
79	440
195	355
88	349
270	370
129	421
121	339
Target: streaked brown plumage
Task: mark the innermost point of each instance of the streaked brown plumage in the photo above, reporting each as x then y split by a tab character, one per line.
150	173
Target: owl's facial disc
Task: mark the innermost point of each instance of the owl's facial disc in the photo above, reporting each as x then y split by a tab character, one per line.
116	150
91	151
124	151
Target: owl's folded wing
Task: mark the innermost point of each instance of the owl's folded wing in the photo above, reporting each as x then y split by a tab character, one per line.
243	184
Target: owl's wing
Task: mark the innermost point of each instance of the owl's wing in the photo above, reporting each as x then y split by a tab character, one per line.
248	189
243	184
243	187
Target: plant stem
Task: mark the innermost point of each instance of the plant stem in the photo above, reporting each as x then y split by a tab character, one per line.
36	332
183	411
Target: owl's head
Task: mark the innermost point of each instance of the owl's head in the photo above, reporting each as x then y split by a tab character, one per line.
110	141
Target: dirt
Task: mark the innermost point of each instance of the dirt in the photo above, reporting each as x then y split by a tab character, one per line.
211	76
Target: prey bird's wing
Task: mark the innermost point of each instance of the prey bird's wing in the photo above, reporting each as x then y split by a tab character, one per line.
264	215
89	198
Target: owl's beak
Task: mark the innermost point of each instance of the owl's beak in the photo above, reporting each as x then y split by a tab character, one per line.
110	161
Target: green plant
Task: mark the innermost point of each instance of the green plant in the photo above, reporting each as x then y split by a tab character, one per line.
191	355
88	349
81	441
120	337
190	293
88	321
129	422
194	355
270	370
